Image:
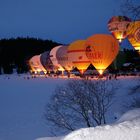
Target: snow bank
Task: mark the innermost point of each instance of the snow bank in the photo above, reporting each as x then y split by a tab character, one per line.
127	128
130	116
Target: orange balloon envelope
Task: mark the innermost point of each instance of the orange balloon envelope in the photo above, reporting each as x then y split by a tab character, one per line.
134	34
117	25
101	49
62	57
76	53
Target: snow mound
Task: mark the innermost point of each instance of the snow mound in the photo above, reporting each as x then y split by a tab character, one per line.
126	128
130	116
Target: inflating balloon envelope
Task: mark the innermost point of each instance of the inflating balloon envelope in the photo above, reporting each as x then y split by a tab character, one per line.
117	25
76	53
133	32
54	59
63	60
101	50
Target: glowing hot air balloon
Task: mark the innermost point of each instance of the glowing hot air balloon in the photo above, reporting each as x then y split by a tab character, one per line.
54	59
63	60
101	49
46	62
36	65
76	53
134	34
117	25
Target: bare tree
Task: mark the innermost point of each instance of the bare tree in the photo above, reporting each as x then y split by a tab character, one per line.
81	103
131	8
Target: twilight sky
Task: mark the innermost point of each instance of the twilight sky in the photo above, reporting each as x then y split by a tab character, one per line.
60	20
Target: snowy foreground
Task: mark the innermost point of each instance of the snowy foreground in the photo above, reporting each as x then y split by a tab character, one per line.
22	103
127	128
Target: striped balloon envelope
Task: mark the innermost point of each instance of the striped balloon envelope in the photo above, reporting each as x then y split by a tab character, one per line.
117	25
134	34
76	53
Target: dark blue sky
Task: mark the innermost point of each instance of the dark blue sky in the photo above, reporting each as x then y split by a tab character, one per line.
60	20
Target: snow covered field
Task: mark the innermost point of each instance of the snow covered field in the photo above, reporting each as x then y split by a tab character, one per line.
22	104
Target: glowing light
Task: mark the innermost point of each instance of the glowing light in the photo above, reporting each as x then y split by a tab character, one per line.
100	71
38	70
137	48
120	40
119	37
45	72
82	71
61	69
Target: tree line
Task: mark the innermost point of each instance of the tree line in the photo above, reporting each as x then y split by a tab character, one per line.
15	52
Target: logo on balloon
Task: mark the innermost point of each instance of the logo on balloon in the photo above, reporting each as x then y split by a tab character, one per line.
92	54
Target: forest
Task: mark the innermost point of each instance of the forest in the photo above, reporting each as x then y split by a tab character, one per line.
15	52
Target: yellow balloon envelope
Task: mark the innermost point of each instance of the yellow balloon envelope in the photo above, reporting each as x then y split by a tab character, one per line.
117	25
76	54
101	49
134	34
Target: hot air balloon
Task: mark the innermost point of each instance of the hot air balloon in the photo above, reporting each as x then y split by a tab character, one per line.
36	65
101	49
46	62
133	32
117	25
76	53
54	59
62	57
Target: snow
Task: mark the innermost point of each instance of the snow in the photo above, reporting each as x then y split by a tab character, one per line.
127	64
127	128
22	103
130	116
